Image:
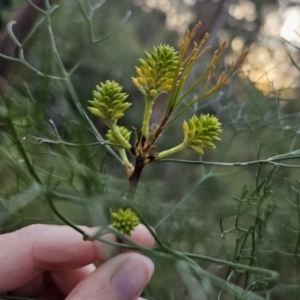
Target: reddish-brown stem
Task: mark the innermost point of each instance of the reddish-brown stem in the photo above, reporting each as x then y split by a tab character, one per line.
135	177
140	161
158	131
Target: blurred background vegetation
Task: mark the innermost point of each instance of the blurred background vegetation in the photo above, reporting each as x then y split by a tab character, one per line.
245	213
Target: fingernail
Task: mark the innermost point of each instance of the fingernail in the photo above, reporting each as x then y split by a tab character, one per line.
129	281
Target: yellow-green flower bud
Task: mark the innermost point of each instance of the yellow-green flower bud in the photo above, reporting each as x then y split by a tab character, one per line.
109	103
125	220
200	132
123	131
156	73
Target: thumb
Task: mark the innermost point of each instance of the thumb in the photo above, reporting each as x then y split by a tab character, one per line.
120	278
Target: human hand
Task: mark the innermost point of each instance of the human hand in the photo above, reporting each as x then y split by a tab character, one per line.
53	262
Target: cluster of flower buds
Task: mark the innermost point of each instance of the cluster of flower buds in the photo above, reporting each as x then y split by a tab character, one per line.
125	220
109	102
157	72
200	132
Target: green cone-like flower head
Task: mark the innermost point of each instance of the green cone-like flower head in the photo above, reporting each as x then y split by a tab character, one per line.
200	132
125	220
123	131
157	72
109	103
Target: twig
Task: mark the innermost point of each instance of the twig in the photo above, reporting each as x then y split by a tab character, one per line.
50	141
272	161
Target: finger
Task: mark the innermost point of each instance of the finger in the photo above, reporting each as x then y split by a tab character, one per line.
121	278
41	287
66	280
26	253
58	282
142	236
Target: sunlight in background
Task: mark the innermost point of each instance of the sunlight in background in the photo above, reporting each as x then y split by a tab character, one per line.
190	2
268	64
291	25
178	13
244	10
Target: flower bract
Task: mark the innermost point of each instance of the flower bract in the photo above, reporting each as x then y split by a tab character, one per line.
123	131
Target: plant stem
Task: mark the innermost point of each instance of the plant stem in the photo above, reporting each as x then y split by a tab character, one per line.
128	165
271	161
71	89
147	114
171	151
135	177
62	217
123	156
76	145
23	151
236	266
119	136
157	132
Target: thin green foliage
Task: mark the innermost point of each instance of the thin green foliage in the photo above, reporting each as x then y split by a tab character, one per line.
210	242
